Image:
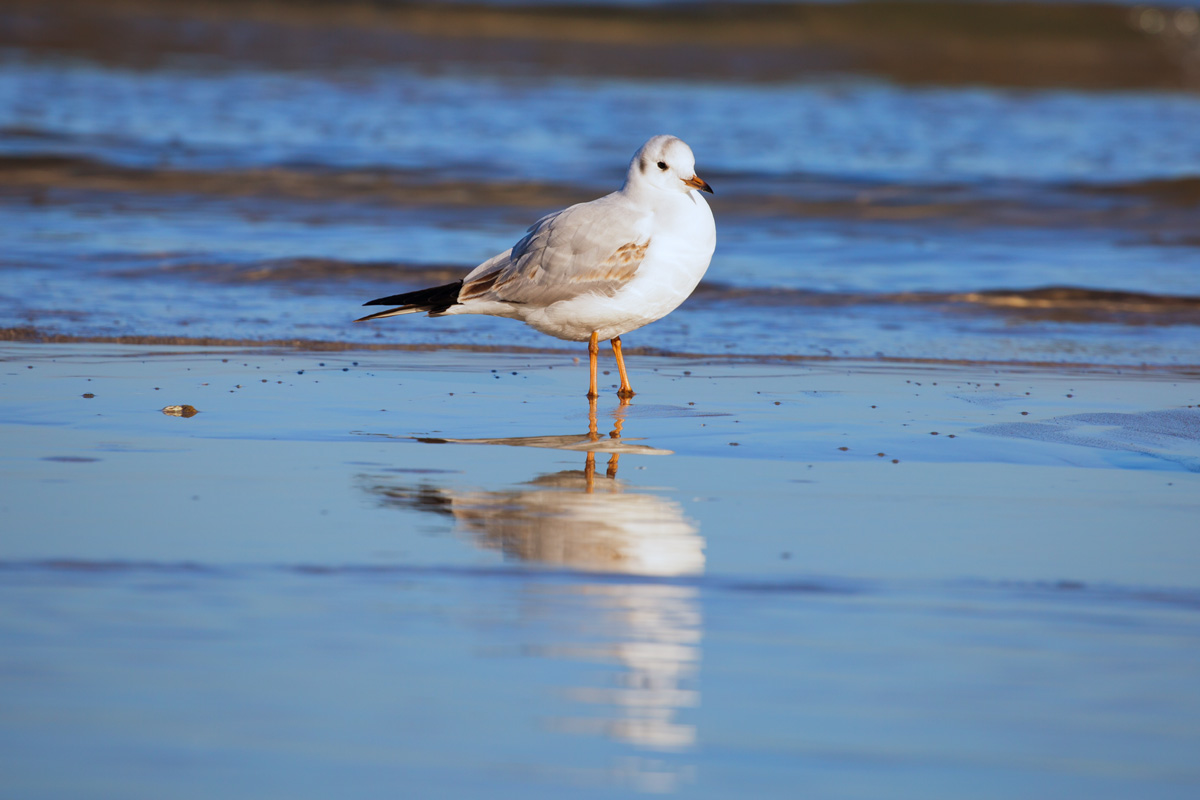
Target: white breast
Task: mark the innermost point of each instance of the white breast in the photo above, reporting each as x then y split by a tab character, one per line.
678	256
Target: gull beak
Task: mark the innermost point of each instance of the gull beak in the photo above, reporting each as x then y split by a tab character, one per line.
697	183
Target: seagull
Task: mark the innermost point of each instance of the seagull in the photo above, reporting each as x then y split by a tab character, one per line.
595	270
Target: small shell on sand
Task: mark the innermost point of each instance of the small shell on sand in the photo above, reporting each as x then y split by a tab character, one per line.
181	411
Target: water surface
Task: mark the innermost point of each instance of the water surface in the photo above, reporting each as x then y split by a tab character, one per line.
215	191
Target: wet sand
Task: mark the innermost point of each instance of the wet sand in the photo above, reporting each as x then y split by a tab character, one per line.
441	573
1016	451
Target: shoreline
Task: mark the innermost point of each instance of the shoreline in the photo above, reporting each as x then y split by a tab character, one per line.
32	336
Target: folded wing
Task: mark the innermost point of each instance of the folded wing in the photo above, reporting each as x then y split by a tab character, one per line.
592	247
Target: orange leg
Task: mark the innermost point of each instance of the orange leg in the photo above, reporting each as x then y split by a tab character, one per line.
612	465
593	427
615	433
589	471
618	423
593	354
626	391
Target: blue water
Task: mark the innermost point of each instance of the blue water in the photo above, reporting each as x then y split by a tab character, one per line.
571	131
177	189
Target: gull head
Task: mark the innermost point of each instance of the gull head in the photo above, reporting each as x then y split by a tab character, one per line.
665	163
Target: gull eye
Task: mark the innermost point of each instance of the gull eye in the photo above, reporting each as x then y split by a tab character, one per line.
662	165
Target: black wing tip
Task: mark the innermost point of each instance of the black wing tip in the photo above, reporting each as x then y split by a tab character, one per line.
391	300
434	299
446	294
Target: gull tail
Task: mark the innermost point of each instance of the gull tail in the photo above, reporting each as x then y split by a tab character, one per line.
435	300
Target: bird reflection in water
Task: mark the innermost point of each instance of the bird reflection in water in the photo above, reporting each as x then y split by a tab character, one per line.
572	518
596	523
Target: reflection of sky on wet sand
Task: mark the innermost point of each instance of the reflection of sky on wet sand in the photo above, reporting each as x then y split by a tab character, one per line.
225	598
646	634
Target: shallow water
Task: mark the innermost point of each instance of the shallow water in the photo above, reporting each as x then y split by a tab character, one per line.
859	213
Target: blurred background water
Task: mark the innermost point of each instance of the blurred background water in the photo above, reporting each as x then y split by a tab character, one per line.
1001	181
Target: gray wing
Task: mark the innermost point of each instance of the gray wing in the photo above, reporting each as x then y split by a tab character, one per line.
593	247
